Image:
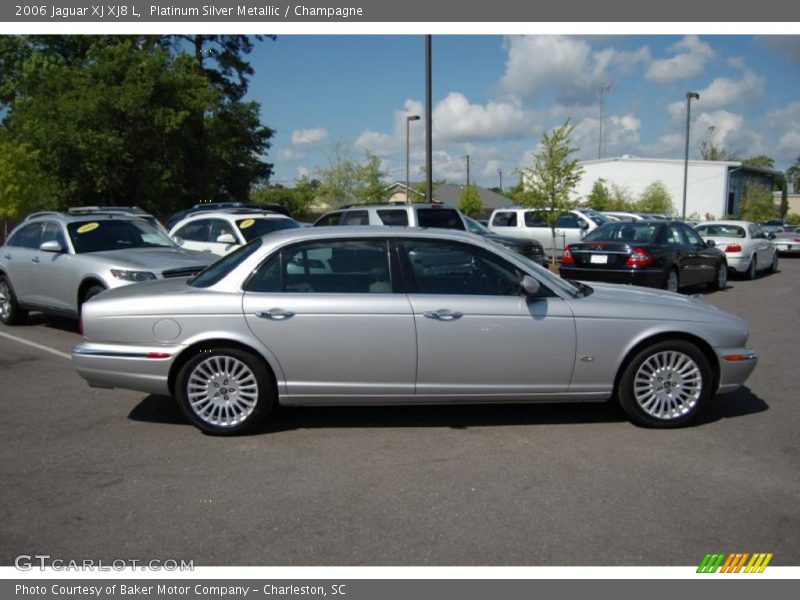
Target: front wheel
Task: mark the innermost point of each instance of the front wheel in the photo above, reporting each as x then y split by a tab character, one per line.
665	384
225	391
10	311
721	279
773	268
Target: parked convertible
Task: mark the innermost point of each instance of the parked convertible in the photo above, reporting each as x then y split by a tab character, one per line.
372	315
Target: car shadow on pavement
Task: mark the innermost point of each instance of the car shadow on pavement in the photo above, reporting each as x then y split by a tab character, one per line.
54	322
161	409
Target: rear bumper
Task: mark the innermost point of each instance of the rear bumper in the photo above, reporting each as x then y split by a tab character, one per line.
738	263
647	278
141	368
736	365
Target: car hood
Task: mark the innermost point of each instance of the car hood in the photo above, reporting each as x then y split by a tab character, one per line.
635	302
156	260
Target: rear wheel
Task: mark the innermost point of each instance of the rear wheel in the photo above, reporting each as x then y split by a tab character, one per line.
665	384
225	391
752	268
721	279
773	268
672	283
10	311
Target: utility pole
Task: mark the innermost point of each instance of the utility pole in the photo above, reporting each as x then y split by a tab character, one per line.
500	172
467	157
428	121
604	87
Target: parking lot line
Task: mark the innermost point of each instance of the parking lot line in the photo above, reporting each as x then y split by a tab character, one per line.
35	345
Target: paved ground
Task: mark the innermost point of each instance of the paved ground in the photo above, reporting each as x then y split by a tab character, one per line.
115	474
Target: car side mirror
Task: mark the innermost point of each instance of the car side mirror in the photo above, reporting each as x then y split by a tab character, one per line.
530	286
584	225
770	236
51	246
226	238
178	240
710	243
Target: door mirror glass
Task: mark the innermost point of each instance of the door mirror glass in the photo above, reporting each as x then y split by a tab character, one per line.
51	246
710	243
226	238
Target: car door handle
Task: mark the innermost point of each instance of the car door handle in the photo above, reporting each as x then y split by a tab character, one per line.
275	314
443	314
35	259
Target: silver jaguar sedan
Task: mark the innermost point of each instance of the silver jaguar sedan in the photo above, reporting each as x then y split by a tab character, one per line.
374	315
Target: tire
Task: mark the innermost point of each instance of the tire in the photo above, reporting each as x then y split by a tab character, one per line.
672	282
684	387
10	311
721	278
238	408
752	268
92	292
773	268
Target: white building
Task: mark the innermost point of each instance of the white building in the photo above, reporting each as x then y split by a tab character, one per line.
713	187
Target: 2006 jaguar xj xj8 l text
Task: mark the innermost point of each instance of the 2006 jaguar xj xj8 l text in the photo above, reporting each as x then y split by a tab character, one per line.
362	315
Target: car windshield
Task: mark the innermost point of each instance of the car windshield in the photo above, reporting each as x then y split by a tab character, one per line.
721	231
551	280
597	218
215	272
253	228
623	231
115	234
474	227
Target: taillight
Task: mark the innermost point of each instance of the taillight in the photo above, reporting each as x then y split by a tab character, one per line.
639	258
566	258
797	239
733	248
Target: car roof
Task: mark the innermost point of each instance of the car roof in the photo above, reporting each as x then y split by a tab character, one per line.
726	222
365	231
398	205
103	215
234	214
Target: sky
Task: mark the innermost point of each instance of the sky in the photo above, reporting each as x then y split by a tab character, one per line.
494	97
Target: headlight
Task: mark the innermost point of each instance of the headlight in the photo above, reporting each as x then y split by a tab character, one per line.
134	276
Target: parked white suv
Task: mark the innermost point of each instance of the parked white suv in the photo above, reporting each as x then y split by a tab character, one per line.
434	215
531	223
220	231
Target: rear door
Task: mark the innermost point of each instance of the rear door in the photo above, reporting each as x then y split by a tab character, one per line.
327	312
54	284
20	256
702	260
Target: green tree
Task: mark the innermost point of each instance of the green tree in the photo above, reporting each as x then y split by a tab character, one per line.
296	199
370	184
470	202
23	185
757	204
655	199
621	198
554	174
599	198
761	160
710	151
793	175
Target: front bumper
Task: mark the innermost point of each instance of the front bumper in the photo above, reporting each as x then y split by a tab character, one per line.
736	365
131	367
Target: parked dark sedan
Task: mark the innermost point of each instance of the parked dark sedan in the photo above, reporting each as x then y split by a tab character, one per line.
529	248
662	254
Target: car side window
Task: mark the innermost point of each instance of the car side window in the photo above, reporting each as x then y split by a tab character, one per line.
396	217
52	233
535	218
568	221
757	233
692	236
196	231
504	219
674	236
436	267
329	220
355	217
331	267
28	237
220	227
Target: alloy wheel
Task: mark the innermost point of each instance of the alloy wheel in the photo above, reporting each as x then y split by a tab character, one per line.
222	391
668	385
5	301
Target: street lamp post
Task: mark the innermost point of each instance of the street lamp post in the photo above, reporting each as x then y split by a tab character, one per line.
409	118
689	96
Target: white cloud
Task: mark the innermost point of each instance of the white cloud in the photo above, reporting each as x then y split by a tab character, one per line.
689	61
567	64
309	137
723	92
783	125
302	172
455	119
287	154
786	45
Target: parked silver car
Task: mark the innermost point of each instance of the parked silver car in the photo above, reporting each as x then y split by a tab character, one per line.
371	315
54	262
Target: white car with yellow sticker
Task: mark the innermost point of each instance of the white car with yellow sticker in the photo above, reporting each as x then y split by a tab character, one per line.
54	262
220	232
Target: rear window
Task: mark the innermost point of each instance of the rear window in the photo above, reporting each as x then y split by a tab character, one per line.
398	218
721	231
253	228
439	218
625	231
536	218
216	272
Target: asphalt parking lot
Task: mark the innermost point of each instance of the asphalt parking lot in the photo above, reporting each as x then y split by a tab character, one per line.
117	475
